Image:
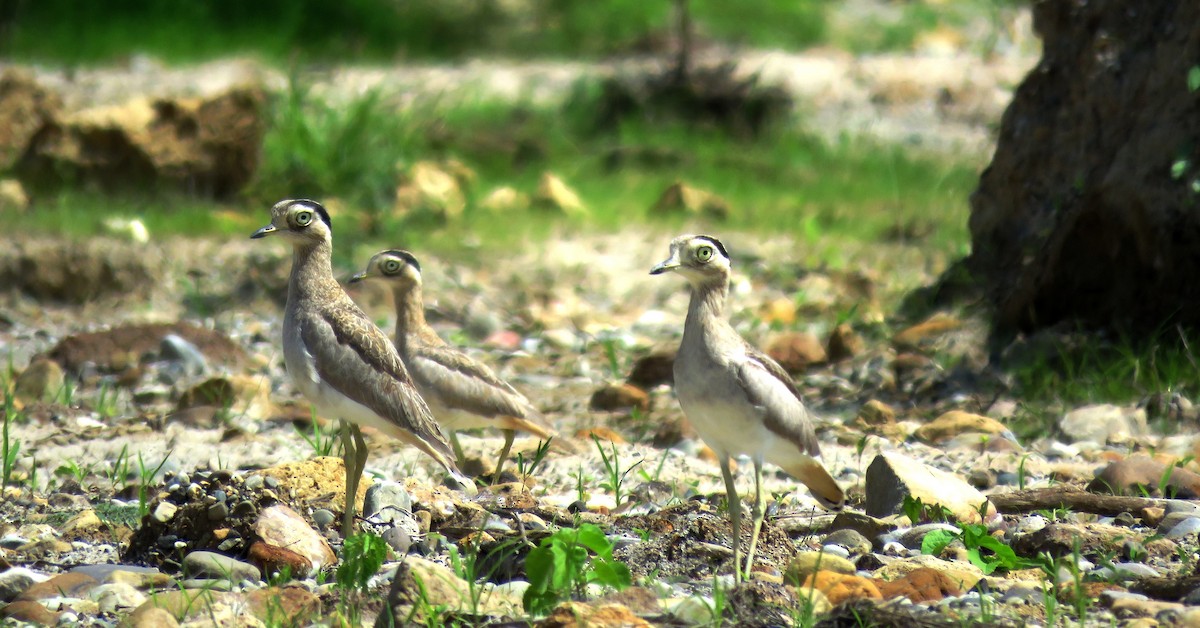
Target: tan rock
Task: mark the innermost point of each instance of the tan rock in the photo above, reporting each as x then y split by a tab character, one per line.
182	604
25	107
83	524
235	395
421	584
42	380
286	535
875	413
964	574
584	615
604	434
553	193
70	584
149	616
780	312
292	603
891	477
956	422
208	146
1137	473
317	483
620	397
504	199
804	564
430	188
839	587
654	368
844	343
680	197
796	351
926	331
28	611
12	196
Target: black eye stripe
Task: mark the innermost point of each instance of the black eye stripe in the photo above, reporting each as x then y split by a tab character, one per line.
406	256
715	242
318	208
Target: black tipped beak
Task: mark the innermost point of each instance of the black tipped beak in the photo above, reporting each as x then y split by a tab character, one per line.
262	233
662	268
357	278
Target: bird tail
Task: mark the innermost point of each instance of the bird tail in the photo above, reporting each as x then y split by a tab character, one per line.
812	474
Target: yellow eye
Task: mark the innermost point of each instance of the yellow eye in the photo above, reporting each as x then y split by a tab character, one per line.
704	253
303	218
391	266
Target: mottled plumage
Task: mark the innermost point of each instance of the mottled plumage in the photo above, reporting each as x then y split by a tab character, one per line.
739	400
463	393
339	360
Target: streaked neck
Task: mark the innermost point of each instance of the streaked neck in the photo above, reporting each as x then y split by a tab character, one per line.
312	270
708	302
410	315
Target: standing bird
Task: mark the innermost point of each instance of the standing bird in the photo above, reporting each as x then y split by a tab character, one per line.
339	360
739	399
463	393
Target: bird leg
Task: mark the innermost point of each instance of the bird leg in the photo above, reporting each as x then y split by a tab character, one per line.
509	435
459	458
361	452
757	514
734	503
350	461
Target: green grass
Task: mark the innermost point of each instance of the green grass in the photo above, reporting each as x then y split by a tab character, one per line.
832	197
74	32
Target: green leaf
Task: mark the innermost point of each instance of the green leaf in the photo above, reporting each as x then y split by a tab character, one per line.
591	536
612	573
936	541
539	568
1193	78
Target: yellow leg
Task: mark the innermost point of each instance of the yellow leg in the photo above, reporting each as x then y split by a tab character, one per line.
509	435
350	460
735	517
460	459
757	514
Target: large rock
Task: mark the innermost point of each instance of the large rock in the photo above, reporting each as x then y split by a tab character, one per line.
25	107
207	146
122	347
891	477
433	189
1087	210
77	272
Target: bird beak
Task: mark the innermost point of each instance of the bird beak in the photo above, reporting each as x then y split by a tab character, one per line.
664	266
359	277
264	232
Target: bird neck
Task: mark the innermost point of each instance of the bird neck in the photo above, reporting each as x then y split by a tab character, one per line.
708	302
312	270
410	313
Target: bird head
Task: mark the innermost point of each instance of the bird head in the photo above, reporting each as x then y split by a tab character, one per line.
700	259
300	220
398	268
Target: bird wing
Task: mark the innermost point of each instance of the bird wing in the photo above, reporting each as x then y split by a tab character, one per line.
769	387
465	384
353	356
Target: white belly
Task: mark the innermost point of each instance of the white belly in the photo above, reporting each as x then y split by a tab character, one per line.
717	407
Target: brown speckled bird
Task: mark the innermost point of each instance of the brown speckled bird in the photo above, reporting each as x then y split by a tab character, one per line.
739	400
463	393
339	360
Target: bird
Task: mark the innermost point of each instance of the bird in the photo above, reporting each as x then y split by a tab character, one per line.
339	360
740	401
463	393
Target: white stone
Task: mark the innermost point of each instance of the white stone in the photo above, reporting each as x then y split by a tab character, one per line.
1104	423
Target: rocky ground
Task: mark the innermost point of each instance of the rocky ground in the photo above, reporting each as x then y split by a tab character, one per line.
163	469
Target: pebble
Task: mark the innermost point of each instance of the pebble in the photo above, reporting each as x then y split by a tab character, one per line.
912	537
176	349
1125	571
116	596
852	540
835	550
1189	526
219	567
164	512
15	580
323	517
254	482
218	511
398	539
385	502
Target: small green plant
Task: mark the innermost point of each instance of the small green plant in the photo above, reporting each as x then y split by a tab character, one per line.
612	465
118	471
145	479
1164	481
362	556
658	469
918	511
106	402
563	565
581	481
1022	476
9	447
613	360
526	467
1193	78
321	442
983	550
72	469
